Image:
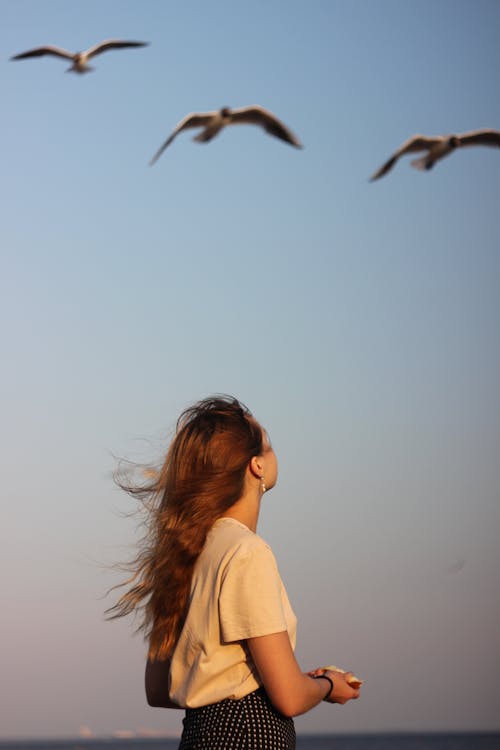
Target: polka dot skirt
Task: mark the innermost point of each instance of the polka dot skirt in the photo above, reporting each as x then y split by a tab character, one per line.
250	723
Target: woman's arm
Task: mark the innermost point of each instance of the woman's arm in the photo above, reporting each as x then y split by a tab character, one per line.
291	691
156	680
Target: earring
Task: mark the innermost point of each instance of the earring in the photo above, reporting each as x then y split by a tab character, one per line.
262	485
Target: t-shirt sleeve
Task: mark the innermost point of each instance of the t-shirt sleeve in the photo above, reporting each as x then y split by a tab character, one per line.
250	602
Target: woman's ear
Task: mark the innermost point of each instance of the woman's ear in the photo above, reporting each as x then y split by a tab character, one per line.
256	466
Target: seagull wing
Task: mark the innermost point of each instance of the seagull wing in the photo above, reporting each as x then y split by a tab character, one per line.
193	120
480	138
386	167
111	44
39	51
256	115
415	143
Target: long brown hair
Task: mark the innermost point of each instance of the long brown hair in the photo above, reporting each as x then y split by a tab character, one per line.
202	476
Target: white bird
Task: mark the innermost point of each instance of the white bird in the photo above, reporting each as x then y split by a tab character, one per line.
437	147
213	122
79	59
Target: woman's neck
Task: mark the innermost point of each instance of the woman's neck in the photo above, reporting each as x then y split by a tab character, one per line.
246	510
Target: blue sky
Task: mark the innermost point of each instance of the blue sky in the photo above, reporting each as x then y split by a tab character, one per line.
359	321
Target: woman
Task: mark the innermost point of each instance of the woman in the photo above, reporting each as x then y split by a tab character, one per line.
220	627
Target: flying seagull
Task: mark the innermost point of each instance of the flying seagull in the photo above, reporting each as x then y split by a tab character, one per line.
437	147
213	122
79	59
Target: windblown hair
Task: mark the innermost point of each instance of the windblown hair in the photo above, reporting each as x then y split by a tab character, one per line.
202	476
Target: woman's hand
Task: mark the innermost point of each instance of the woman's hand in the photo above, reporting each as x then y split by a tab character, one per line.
342	690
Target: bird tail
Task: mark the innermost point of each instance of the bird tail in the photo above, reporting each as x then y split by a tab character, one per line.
206	135
80	71
422	163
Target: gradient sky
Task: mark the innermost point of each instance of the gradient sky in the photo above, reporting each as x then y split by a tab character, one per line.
359	321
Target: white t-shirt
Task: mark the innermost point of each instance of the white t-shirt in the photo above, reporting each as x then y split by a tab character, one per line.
236	593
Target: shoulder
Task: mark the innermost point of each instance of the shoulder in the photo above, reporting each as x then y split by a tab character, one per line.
236	542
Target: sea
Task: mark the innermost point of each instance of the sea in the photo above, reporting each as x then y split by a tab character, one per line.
393	741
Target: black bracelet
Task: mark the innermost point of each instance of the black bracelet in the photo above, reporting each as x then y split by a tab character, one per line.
325	677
